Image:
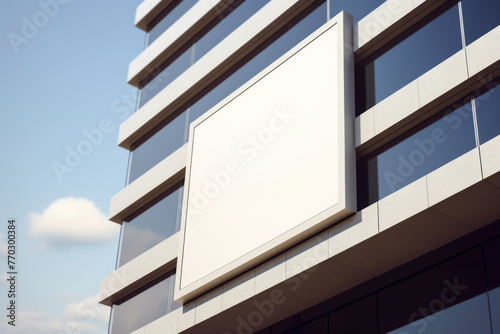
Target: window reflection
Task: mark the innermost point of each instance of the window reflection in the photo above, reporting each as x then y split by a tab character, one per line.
358	9
150	303
237	13
318	326
415	154
449	298
160	145
151	226
163	77
480	16
491	256
421	48
488	112
359	317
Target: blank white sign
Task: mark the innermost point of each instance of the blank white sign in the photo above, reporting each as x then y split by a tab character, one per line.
265	162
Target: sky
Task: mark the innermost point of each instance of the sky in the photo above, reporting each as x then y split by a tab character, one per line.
63	95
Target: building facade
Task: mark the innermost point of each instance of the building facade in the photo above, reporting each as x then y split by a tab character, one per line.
311	166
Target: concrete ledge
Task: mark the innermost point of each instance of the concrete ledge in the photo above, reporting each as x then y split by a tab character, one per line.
364	127
403	204
246	38
149	185
170	41
454	177
398	106
145	268
443	78
490	159
484	52
458	191
387	21
148	10
429	94
164	325
476	206
141	330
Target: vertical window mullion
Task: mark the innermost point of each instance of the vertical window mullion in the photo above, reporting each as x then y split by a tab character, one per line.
474	120
462	27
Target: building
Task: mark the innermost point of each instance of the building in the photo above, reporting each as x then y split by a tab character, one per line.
307	166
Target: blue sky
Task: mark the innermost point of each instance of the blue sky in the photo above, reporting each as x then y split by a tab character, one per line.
63	89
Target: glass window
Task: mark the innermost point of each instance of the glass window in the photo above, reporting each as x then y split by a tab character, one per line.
151	226
434	143
488	112
480	16
318	326
358	9
160	145
449	298
164	76
171	14
492	256
230	19
395	66
264	58
359	317
145	306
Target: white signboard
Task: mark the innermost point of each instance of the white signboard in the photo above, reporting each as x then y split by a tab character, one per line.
266	165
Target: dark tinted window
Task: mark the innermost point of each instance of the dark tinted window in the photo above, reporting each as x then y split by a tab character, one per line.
358	9
160	145
480	16
171	14
359	317
417	153
488	112
449	298
150	227
224	24
147	306
236	14
318	326
395	66
492	258
165	77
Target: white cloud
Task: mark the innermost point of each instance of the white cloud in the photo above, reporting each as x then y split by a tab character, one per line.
70	221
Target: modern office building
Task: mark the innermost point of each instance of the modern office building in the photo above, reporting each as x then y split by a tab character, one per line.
311	166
